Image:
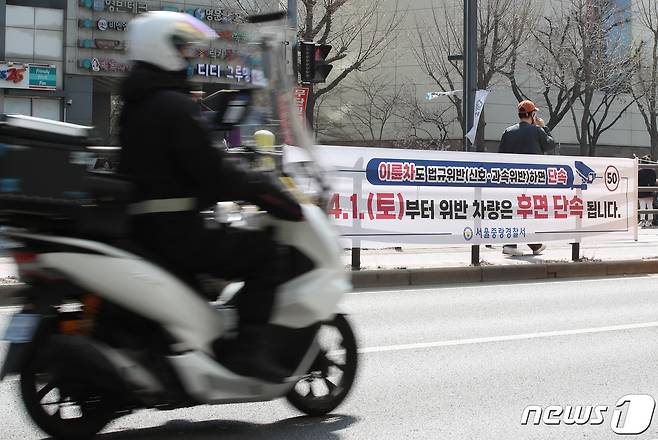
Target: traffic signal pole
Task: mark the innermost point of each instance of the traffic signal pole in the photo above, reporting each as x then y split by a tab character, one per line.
310	106
292	15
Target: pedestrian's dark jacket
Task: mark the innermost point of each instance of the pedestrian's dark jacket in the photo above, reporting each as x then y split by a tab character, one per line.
167	153
524	138
646	177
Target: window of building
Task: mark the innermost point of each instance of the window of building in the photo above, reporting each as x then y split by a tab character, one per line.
39	107
18	106
620	22
34	33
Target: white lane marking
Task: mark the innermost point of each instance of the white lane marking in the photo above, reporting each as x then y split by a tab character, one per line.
457	342
481	285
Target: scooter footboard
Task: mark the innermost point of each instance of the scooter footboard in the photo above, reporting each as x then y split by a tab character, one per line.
310	298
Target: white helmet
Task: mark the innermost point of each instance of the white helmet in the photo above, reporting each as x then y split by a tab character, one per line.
160	38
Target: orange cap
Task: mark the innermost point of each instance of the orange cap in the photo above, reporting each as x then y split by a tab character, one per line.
526	106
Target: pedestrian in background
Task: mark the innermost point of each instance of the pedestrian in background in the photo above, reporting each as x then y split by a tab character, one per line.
529	136
646	177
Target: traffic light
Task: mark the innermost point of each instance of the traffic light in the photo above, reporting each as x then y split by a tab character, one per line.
313	66
322	68
307	64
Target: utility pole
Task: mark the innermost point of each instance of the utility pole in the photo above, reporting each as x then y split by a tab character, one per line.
470	65
292	17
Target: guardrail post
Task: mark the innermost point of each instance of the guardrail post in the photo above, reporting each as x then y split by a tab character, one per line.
475	255
575	251
356	258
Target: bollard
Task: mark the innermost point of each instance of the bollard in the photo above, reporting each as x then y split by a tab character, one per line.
575	251
475	255
356	258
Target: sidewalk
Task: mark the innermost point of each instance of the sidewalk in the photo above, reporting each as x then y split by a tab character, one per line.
451	264
460	256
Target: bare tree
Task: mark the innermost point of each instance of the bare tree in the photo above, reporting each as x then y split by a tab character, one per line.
645	85
250	7
432	53
359	30
428	124
378	101
545	60
602	66
502	27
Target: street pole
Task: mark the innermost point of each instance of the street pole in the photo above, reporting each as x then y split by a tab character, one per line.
470	83
292	16
310	106
470	65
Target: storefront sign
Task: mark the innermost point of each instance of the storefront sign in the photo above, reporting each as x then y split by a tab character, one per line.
28	76
102	24
103	44
42	77
129	6
111	25
222	54
103	65
216	15
236	37
237	73
389	196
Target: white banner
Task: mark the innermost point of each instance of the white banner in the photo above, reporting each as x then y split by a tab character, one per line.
433	95
480	99
385	197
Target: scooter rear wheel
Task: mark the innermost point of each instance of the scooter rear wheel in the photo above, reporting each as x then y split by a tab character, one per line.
62	399
332	375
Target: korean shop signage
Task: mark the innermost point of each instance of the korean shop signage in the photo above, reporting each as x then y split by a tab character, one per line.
28	76
102	24
103	65
101	43
233	72
129	6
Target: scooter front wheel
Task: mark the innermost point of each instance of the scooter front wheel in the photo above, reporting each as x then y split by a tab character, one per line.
332	375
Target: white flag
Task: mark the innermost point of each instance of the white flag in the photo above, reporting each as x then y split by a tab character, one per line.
480	98
433	95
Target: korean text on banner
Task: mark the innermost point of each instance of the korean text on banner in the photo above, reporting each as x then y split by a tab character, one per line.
385	197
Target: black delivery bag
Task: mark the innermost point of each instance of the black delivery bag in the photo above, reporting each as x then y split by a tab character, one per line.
46	183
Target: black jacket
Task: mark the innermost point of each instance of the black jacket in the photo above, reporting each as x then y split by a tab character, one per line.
524	138
167	153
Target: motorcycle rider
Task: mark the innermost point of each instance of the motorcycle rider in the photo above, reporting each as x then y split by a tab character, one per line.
168	154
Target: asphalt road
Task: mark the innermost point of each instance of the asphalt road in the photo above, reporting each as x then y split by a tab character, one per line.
450	363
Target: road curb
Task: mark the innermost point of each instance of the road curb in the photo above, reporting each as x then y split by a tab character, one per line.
471	274
462	275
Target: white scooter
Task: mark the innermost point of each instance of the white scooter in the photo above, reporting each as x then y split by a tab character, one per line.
105	331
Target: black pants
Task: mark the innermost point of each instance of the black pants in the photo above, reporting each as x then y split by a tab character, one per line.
231	254
252	257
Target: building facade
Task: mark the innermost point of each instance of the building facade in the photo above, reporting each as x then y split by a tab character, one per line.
64	59
401	69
